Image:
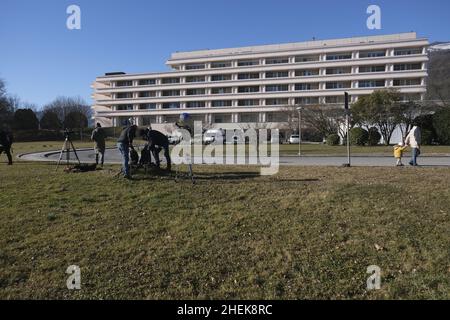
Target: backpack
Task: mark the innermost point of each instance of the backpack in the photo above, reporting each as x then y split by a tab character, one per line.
146	157
134	157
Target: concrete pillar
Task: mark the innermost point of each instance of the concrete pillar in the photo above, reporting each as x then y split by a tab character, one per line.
262	117
291	87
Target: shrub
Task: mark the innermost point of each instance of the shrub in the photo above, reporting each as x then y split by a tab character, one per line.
359	136
441	123
425	123
333	140
311	135
374	137
427	137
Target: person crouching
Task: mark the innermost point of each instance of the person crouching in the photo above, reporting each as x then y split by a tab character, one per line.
157	141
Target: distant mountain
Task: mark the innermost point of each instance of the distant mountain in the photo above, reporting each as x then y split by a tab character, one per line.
439	72
439	46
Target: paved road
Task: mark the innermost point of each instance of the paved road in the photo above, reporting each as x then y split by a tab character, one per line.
112	156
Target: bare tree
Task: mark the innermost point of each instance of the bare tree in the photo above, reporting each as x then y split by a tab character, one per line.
8	105
291	113
408	112
63	106
327	120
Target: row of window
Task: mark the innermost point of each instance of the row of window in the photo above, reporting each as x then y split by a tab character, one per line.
274	74
305	58
224	103
249	102
275	88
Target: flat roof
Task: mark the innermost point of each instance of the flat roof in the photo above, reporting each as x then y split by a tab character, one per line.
293	46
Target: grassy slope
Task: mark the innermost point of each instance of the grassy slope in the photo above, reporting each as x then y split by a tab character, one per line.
305	233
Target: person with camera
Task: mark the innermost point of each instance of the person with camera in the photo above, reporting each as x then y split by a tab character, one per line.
98	136
124	143
156	141
6	141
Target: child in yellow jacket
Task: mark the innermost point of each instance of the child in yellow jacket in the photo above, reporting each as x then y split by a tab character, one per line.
398	153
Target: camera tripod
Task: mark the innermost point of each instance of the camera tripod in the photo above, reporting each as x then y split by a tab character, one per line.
68	144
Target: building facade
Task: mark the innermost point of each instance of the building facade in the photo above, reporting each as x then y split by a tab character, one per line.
229	88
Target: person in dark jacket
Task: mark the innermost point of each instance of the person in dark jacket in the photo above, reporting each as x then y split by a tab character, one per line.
157	142
124	143
6	141
98	136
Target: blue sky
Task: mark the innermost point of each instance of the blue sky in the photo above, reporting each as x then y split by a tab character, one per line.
41	59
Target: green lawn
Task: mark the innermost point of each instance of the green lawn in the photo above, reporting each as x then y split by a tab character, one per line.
304	233
285	149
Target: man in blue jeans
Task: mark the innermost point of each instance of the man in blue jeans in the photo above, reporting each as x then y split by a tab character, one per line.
124	143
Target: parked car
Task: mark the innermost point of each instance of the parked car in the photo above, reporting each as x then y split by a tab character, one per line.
236	139
277	140
294	139
216	136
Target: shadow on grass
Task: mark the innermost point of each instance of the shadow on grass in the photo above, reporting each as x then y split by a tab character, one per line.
296	180
198	176
214	176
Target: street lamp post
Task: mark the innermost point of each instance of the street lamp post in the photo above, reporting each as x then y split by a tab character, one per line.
299	109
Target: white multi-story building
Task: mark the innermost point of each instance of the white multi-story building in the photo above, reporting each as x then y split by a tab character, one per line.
230	87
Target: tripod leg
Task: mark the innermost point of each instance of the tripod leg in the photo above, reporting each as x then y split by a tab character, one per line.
75	151
61	154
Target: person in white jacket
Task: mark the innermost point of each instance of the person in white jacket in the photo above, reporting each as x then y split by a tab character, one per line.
413	139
